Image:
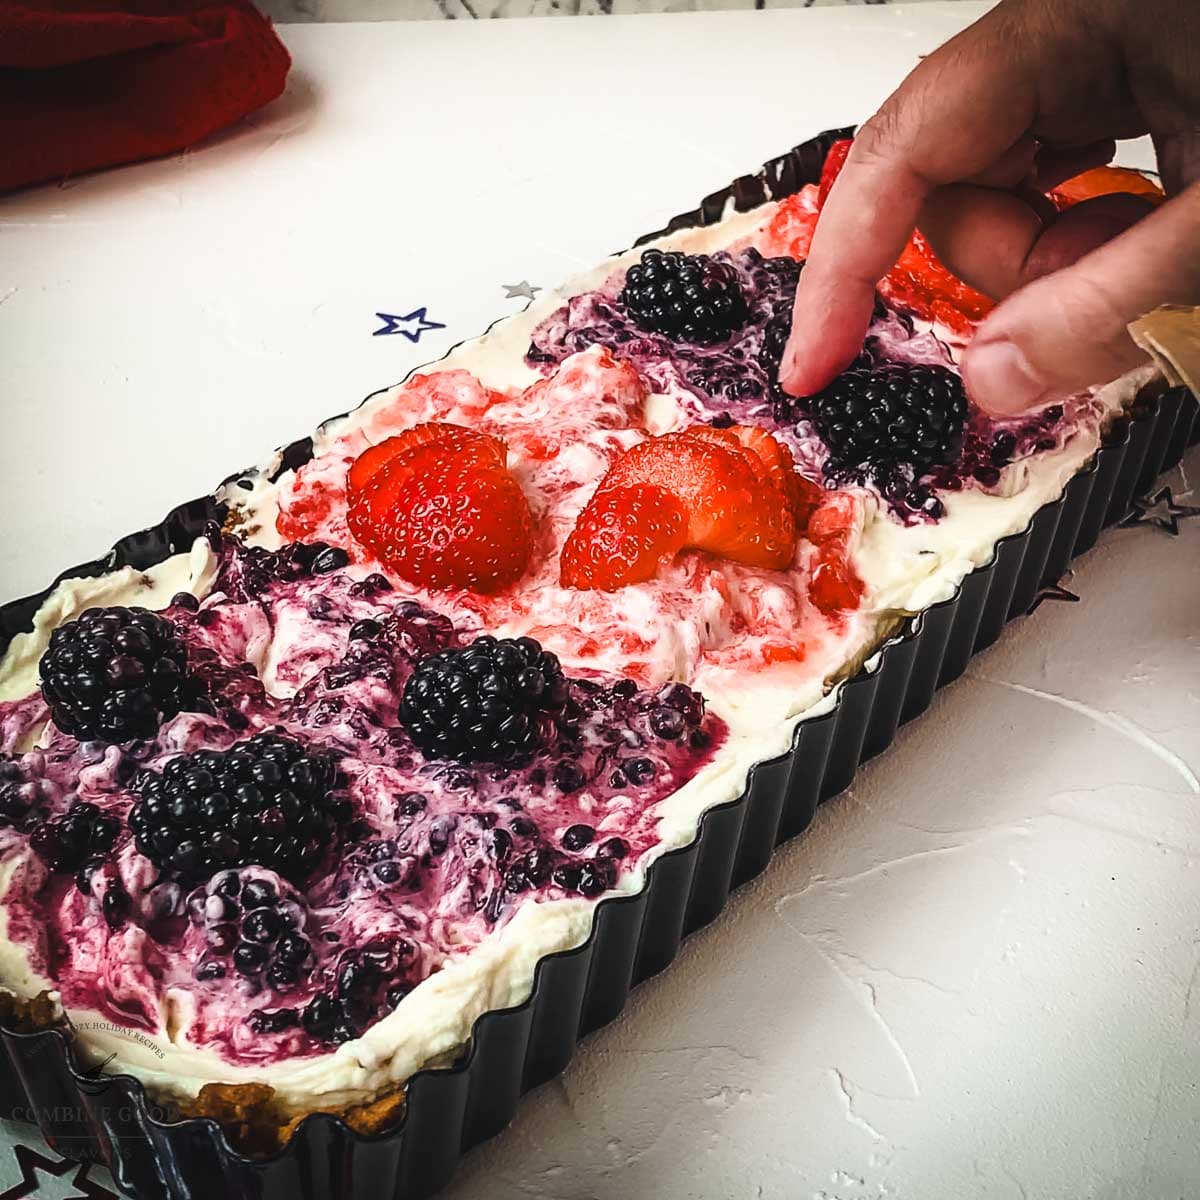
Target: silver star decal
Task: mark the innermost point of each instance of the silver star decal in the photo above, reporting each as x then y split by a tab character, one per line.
1161	510
520	291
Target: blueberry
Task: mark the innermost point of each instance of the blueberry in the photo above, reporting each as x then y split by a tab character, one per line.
614	848
524	827
536	865
592	879
639	770
568	777
209	969
365	629
332	558
116	905
577	836
186	601
566	877
320	1016
410	804
667	723
276	1021
387	871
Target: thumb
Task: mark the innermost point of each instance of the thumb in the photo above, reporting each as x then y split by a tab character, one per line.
1068	330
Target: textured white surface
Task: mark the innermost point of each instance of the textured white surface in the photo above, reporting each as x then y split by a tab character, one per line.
975	976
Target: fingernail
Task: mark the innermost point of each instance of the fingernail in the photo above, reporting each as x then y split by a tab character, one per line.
1000	379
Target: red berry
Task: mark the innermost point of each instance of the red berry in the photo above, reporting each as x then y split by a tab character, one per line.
625	535
454	523
733	497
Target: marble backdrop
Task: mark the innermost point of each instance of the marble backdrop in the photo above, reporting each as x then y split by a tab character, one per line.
419	10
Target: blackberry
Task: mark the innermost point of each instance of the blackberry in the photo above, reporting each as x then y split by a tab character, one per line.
266	801
253	926
483	703
115	674
83	832
688	297
896	416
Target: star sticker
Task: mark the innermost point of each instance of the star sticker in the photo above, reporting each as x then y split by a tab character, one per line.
520	291
394	324
31	1162
1056	592
1161	510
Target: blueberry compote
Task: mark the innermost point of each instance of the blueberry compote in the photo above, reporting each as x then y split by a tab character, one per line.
735	379
414	861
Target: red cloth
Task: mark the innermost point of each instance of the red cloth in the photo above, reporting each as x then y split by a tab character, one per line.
94	83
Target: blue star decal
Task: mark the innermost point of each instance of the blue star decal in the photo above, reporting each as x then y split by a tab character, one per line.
404	325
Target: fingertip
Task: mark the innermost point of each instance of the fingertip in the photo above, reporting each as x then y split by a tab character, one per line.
827	333
1001	380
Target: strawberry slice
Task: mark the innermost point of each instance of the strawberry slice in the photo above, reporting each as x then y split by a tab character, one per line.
436	505
425	434
834	586
732	508
626	534
773	463
835	160
453	523
1105	181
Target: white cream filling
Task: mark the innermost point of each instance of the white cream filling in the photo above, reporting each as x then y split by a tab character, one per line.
906	569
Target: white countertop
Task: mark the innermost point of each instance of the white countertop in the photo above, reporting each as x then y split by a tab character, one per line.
974	976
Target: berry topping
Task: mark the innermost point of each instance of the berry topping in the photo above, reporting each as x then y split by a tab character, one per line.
83	832
246	572
732	485
834	586
894	416
254	926
364	984
484	703
689	297
115	674
442	511
266	801
20	793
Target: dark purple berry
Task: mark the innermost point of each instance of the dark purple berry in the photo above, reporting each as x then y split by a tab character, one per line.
577	836
249	958
873	421
639	770
273	1021
688	297
568	776
115	674
482	703
267	801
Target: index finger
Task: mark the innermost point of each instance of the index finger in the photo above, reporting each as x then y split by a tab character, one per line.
956	113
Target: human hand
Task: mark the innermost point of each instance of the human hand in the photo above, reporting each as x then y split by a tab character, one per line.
1033	93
